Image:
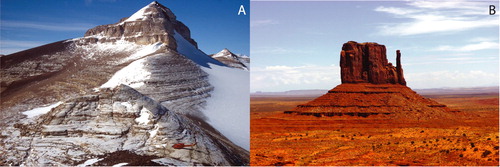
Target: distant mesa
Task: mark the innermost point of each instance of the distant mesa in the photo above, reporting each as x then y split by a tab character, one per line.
371	86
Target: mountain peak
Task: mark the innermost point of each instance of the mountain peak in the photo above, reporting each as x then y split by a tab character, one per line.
150	11
224	53
230	59
151	24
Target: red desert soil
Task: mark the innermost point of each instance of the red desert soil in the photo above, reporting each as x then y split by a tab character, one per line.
290	139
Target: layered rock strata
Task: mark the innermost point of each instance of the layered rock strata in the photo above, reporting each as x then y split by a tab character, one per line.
367	63
153	23
115	120
371	86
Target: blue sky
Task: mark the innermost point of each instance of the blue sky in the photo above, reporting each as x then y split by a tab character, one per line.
296	45
214	24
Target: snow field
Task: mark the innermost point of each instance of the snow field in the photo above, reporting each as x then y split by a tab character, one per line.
40	110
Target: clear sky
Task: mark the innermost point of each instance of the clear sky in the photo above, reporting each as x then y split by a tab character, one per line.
296	45
214	24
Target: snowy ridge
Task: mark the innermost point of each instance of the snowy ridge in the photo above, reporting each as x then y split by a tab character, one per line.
169	78
187	49
144	13
232	60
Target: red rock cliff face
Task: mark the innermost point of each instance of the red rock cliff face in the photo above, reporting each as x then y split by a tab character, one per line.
367	63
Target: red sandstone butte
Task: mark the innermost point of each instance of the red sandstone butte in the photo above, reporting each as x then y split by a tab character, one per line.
367	63
371	86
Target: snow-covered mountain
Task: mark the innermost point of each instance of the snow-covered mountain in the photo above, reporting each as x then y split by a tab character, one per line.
139	85
232	60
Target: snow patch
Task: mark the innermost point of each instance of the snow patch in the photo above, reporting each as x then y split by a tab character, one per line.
132	75
153	132
90	162
227	109
143	119
139	15
120	164
40	110
149	49
171	162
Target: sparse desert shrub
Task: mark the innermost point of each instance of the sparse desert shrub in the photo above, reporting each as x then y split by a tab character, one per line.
472	145
342	136
488	139
461	155
422	131
464	149
412	142
496	147
475	149
464	135
486	153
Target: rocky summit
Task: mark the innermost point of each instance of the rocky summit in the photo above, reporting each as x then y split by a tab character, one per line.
137	88
151	24
232	60
371	86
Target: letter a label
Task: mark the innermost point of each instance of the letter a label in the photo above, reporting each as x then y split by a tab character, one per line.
242	10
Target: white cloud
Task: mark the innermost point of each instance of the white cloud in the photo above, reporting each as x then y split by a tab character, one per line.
46	26
437	17
282	78
439	79
469	47
260	23
277	50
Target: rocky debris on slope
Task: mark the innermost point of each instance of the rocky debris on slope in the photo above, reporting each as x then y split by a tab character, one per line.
113	120
232	60
367	63
151	24
371	86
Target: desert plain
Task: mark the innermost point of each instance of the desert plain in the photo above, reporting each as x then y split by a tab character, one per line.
470	137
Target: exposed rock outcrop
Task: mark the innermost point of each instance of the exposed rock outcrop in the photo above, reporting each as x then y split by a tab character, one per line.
114	120
175	82
371	86
153	23
367	63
